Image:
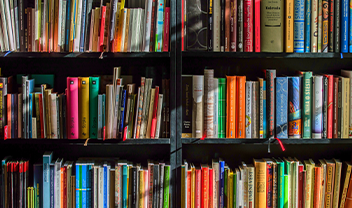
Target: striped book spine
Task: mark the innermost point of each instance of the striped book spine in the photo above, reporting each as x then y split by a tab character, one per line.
222	108
281	107
249	124
294	101
307	25
317	122
307	96
298	41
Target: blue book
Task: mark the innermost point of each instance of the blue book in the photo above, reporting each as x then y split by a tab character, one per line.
89	184
124	186
68	24
29	90
222	183
308	9
264	109
83	24
30	114
159	26
37	184
344	25
294	100
84	185
52	184
298	38
78	185
123	101
47	157
105	190
281	107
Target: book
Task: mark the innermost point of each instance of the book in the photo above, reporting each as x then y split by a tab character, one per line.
93	107
260	178
345	107
255	109
348	74
344	26
197	109
248	25
337	182
307	105
299	20
216	108
208	103
222	108
307	25
314	27
240	22
294	102
345	183
270	94
325	34
281	107
187	89
317	114
72	107
231	106
289	13
83	88
240	107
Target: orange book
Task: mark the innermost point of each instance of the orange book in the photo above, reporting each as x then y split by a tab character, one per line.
317	187
62	186
241	107
205	186
231	107
330	178
289	26
260	178
56	27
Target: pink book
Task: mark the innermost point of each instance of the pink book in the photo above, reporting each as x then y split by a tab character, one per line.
102	28
257	25
166	29
72	107
248	25
153	127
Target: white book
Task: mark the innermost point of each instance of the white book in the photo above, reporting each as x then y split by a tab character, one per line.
295	184
17	28
123	32
158	122
34	128
208	109
4	26
109	111
198	106
134	26
77	37
13	24
53	112
101	187
9	25
244	177
317	116
59	26
216	173
216	108
57	182
347	73
130	29
249	86
216	23
240	188
147	24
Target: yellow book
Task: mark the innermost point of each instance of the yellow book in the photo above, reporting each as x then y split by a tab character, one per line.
96	29
345	108
47	112
309	189
193	186
230	189
127	27
337	182
72	23
260	178
83	105
150	114
141	189
289	26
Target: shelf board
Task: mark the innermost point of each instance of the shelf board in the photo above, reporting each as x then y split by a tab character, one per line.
190	141
78	142
84	55
205	54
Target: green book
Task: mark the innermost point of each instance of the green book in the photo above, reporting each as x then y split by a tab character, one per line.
281	183
166	186
287	186
307	105
235	187
288	183
222	108
93	106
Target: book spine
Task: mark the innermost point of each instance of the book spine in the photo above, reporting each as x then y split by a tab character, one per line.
249	100
289	26
233	25
345	107
216	108
339	116
317	187
314	26
307	104
269	185
248	25
257	25
335	107
255	110
158	124
159	26
83	88
331	22
72	108
240	16
147	26
240	108
337	35
325	38
320	25
344	25
329	192
349	11
67	26
227	25
83	25
3	111
317	107
222	108
281	107
222	25
216	25
93	107
264	111
261	109
231	106
210	25
30	117
197	111
294	100
307	25
122	114
325	107
208	103
221	184
330	106
166	29
270	78
152	29
298	42
345	186
260	177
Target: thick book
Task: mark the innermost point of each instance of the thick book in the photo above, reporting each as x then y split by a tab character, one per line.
222	25
197	25
295	109
150	112
345	183
298	35
249	99
83	101
270	95
345	107
317	107
307	104
248	25
329	187
289	9
348	75
281	107
222	108
93	107
54	116
187	91
208	103
197	109
72	108
260	178
231	103
241	107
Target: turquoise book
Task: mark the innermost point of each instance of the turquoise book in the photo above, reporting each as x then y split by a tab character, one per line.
47	157
281	183
307	104
124	186
78	185
281	107
298	23
159	26
93	107
307	8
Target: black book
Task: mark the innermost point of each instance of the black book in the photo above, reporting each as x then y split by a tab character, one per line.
210	25
187	97
222	27
156	186
240	26
163	112
25	181
134	187
337	26
161	189
21	184
270	99
339	109
167	127
21	19
3	104
197	23
331	26
130	188
325	107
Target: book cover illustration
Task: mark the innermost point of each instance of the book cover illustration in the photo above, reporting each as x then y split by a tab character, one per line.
294	101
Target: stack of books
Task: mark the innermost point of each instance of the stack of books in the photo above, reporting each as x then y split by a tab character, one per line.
84	111
88	182
85	26
266	26
302	106
267	182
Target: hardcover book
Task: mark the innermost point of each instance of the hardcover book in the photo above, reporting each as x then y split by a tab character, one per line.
307	104
222	108
270	95
231	107
317	108
197	110
299	26
294	102
83	101
241	107
208	103
93	107
197	25
281	107
249	125
187	90
72	107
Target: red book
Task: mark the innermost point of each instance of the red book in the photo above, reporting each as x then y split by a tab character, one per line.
330	104
335	108
210	188
166	29
300	186
9	116
257	25
41	116
155	110
189	173
205	186
233	25
269	185
72	107
227	25
348	202
182	24
317	187
198	188
248	25
65	186
102	28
